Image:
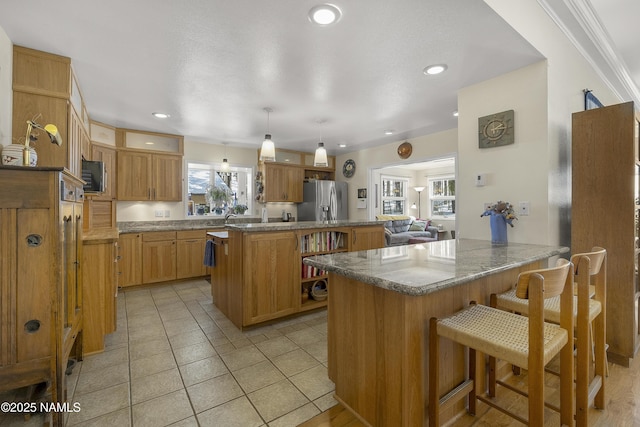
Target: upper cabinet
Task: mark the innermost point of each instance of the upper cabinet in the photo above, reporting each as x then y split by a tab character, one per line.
149	166
46	91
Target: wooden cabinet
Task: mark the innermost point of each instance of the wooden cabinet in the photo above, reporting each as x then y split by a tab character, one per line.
365	238
130	259
40	277
604	212
106	155
190	253
146	176
158	256
282	183
99	292
43	92
269	275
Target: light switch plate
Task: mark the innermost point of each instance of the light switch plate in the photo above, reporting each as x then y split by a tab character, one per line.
523	208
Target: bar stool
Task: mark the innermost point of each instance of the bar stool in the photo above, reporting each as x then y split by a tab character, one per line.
589	321
529	342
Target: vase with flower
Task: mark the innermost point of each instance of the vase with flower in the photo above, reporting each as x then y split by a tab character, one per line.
500	214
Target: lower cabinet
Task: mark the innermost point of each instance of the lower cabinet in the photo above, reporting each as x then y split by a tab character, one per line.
270	269
159	256
99	292
130	259
190	253
365	238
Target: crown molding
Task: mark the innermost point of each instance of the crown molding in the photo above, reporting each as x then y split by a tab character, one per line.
593	42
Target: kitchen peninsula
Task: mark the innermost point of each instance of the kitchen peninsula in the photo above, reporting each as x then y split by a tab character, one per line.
379	310
259	274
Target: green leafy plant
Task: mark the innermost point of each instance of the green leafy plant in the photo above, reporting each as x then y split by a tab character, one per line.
219	195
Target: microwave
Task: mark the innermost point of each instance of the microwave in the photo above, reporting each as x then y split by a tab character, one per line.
94	175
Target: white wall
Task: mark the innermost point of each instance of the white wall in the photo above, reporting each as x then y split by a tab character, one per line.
6	91
514	173
568	73
428	147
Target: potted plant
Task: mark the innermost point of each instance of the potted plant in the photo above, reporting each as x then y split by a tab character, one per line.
218	197
240	209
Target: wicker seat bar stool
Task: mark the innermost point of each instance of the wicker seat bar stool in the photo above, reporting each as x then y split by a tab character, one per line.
529	342
589	321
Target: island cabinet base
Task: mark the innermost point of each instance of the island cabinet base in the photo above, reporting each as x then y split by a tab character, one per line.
378	346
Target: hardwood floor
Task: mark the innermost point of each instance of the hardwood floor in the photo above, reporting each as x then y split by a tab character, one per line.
622	396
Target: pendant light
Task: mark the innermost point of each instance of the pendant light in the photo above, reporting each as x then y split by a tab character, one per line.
225	163
268	150
320	159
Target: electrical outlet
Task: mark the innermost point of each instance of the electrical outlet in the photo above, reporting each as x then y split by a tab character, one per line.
167	213
158	214
523	209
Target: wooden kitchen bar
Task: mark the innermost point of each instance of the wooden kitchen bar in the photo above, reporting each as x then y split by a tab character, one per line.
259	273
379	308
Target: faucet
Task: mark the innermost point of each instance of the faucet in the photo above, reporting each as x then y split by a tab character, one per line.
228	215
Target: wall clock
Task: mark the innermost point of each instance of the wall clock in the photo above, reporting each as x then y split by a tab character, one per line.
349	168
404	150
496	130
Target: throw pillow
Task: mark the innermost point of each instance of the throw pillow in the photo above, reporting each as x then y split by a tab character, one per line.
418	226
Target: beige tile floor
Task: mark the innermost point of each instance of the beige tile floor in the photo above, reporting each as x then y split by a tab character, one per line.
176	360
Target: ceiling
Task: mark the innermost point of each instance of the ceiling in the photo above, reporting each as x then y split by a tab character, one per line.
215	65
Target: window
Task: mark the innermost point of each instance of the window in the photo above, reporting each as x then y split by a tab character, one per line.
236	181
442	197
394	195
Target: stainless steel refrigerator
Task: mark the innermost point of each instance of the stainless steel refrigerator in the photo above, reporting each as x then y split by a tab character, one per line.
323	201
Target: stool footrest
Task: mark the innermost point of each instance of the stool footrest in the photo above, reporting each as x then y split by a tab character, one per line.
482	398
454	395
522	393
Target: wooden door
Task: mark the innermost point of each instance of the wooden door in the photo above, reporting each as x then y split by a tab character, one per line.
365	238
130	261
134	175
271	271
190	261
158	261
167	178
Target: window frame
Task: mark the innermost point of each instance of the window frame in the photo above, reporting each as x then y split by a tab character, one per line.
403	198
435	198
215	168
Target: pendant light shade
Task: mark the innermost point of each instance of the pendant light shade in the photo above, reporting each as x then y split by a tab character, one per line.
268	150
320	158
225	165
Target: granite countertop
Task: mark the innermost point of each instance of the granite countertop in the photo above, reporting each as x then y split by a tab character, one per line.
424	268
300	225
202	223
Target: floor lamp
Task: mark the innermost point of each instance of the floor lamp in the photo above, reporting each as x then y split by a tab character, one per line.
419	190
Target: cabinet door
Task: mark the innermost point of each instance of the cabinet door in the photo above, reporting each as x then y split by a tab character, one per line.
107	155
190	258
158	261
130	261
134	176
283	183
271	274
295	178
365	238
167	178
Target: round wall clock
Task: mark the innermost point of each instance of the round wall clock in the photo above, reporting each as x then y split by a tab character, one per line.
349	168
404	150
496	130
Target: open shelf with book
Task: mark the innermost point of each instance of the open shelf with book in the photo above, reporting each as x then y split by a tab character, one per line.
314	282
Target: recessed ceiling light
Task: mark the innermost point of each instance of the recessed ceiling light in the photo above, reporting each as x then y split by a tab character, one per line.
455	113
342	145
388	132
325	14
149	143
435	69
161	115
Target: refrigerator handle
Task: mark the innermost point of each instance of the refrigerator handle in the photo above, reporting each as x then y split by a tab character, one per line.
333	204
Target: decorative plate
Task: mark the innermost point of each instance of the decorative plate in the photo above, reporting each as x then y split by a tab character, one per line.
404	150
349	168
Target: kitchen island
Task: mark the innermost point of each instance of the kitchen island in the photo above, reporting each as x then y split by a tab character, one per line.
378	318
259	275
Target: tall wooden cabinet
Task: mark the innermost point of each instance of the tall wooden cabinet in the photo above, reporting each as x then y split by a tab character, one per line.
40	277
604	212
45	90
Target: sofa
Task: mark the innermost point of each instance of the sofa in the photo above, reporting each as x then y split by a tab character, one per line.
399	229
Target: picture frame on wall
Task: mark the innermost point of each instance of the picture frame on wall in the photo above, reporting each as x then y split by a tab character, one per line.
590	100
362	193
